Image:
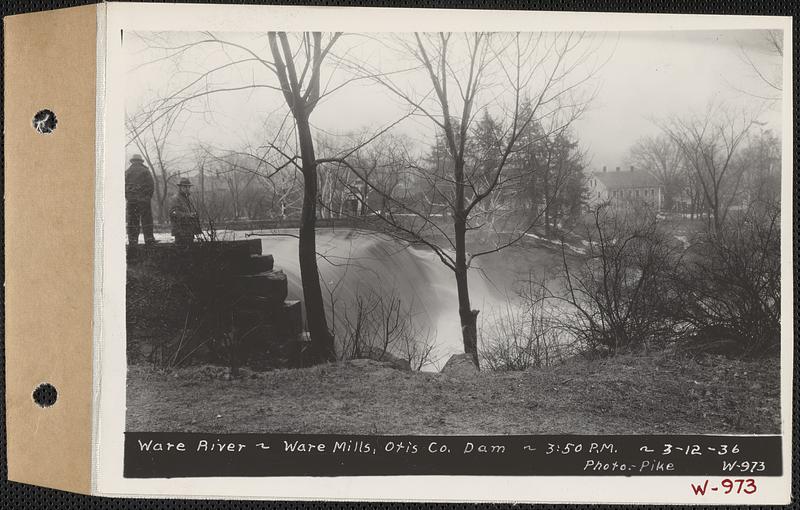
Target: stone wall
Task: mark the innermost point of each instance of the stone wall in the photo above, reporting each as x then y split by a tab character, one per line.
233	301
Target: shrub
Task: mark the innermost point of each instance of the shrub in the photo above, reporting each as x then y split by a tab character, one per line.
524	334
622	294
381	326
730	288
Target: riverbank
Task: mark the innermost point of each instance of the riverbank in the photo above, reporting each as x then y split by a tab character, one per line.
655	394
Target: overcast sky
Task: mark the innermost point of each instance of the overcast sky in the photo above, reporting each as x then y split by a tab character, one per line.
644	75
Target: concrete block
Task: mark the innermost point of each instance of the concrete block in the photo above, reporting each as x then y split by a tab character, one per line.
253	245
269	284
260	263
269	309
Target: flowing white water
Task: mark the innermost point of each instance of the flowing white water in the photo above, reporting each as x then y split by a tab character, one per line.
354	263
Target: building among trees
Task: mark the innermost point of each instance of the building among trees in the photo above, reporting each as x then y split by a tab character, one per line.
624	187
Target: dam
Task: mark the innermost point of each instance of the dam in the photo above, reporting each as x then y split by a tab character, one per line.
358	263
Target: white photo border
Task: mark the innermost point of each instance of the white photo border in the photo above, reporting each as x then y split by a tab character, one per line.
110	358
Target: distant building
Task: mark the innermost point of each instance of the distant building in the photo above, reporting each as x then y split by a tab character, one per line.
624	187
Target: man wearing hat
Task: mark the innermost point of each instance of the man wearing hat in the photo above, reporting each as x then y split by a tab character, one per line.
183	215
139	189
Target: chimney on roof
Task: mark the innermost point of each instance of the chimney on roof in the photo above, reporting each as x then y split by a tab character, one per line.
631	168
604	168
617	169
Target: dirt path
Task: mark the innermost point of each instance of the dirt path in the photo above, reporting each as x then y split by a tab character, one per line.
625	395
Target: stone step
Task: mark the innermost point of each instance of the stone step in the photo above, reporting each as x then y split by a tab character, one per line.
269	309
224	255
260	264
271	285
253	245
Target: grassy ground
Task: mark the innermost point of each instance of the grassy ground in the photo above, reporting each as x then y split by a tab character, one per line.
624	395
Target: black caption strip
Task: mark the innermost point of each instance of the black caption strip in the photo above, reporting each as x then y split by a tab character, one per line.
171	455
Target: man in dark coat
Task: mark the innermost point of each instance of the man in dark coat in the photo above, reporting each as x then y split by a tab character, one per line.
183	215
139	189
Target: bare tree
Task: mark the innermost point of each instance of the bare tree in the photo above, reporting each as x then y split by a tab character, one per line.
524	333
709	145
381	164
556	164
381	326
730	290
271	185
661	156
152	140
335	180
620	295
302	92
762	162
468	74
769	74
299	72
201	160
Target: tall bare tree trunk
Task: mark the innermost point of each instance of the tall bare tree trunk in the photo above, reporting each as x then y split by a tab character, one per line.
468	316
301	104
547	200
364	198
202	183
157	191
162	207
322	340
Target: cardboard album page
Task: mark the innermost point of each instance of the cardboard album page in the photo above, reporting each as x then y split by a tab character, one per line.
401	255
50	139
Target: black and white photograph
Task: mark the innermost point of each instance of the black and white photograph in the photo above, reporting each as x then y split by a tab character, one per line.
457	233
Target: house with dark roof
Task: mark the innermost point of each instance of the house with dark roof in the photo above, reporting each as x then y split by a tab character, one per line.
625	188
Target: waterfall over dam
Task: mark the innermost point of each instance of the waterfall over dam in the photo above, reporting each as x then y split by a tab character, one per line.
354	263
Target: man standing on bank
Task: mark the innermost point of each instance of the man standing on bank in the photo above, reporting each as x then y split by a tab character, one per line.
183	215
139	189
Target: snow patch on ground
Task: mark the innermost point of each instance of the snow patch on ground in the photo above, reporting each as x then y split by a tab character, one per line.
575	249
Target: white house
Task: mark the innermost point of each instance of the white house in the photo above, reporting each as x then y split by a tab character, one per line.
624	187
